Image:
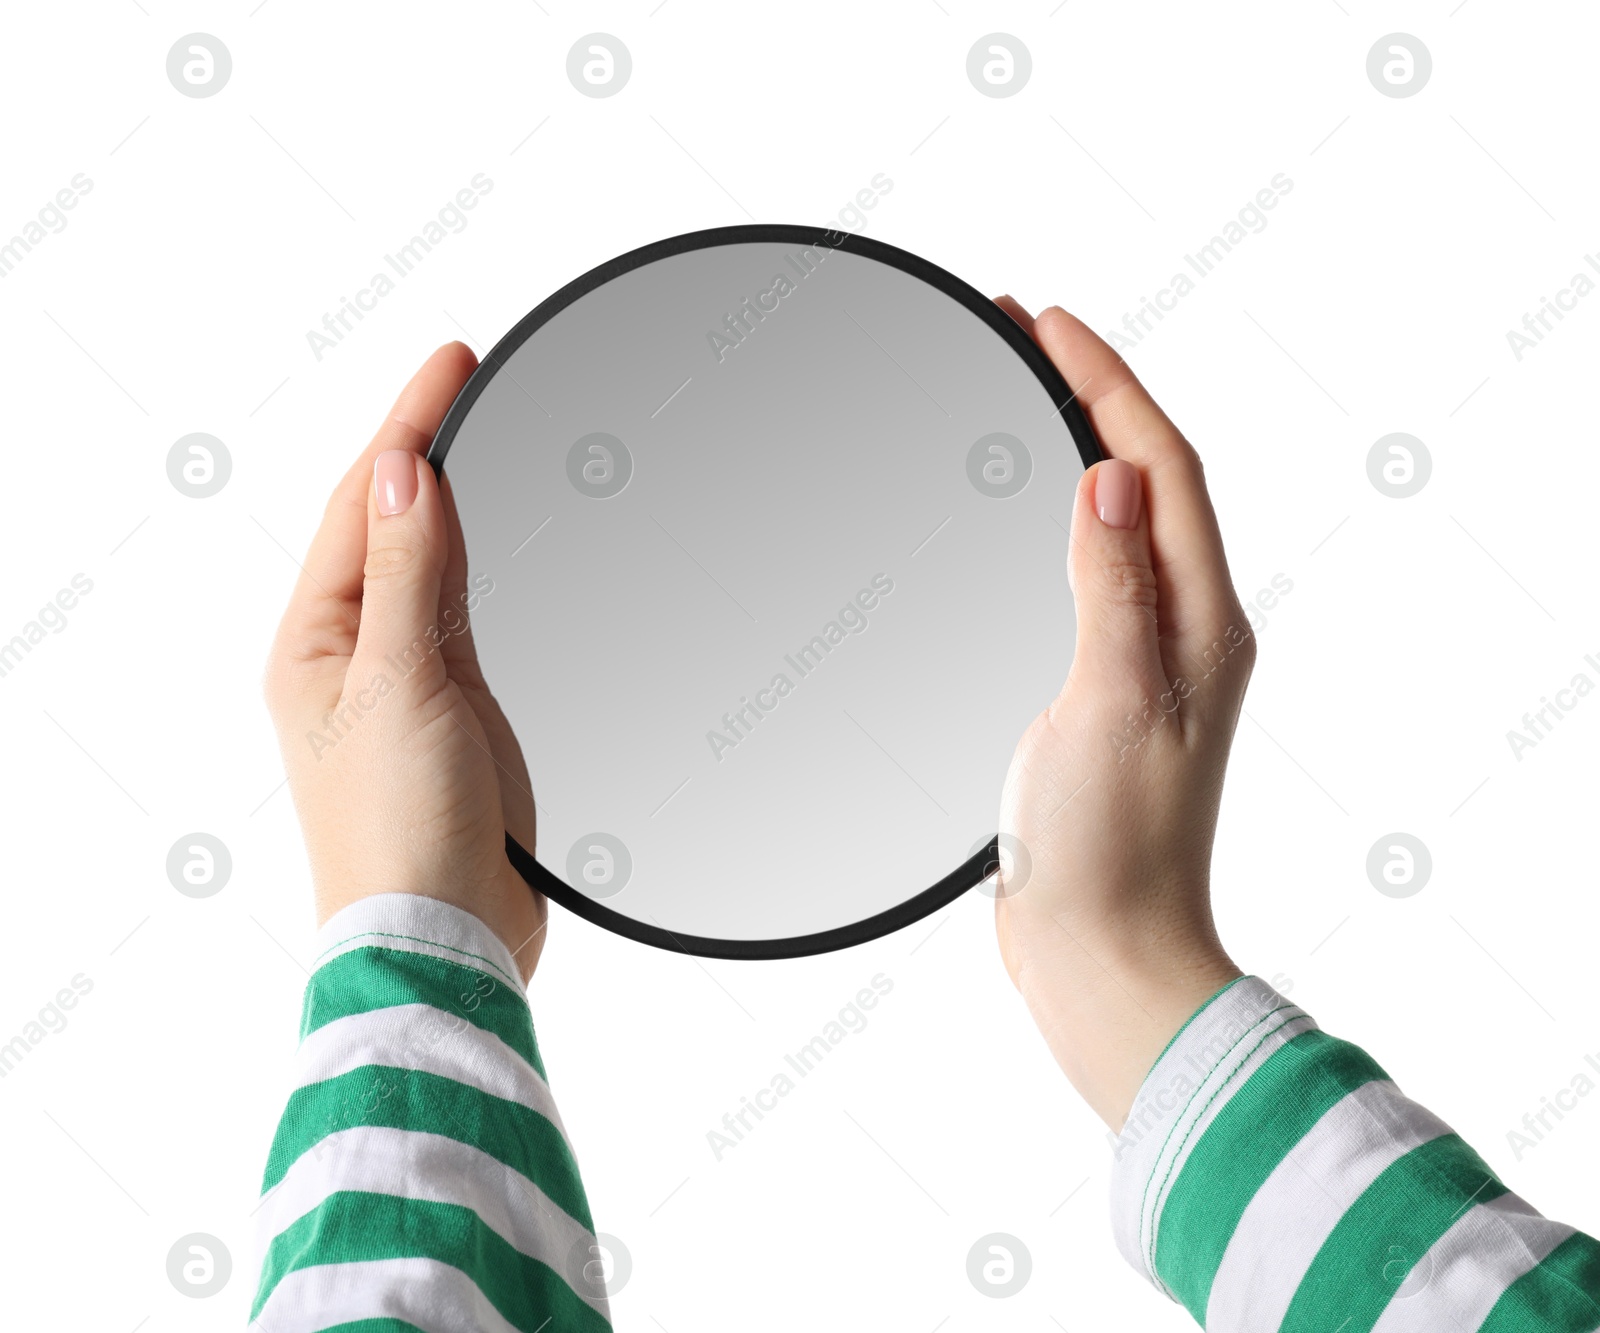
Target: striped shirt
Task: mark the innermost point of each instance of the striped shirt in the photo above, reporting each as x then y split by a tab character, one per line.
1269	1177
1273	1179
420	1178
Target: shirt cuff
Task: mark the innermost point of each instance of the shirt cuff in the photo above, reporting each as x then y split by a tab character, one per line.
1214	1054
416	924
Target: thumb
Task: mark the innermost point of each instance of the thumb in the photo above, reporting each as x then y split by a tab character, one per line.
407	543
1113	579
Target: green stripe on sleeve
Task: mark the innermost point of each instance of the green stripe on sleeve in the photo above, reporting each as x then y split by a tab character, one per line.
426	1103
365	979
1385	1232
1260	1124
1559	1295
376	1326
351	1227
464	956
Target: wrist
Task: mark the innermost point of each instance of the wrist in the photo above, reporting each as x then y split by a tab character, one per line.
1109	1003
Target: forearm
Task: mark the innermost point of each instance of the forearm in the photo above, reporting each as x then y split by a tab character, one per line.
1272	1178
421	1171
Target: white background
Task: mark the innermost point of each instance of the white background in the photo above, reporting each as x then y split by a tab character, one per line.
219	231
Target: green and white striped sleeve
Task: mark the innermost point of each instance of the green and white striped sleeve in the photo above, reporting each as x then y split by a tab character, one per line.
1274	1180
420	1178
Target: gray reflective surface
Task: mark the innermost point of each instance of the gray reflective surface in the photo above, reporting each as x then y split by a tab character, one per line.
772	605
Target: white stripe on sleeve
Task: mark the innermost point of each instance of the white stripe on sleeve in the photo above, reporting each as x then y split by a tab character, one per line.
1457	1282
434	1296
435	1169
1302	1200
422	1037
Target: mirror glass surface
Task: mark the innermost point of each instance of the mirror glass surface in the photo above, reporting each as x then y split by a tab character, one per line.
768	529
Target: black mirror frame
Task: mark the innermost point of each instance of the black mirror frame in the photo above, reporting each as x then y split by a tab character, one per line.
976	868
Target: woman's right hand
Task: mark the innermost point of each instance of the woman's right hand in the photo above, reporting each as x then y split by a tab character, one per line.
403	768
1104	914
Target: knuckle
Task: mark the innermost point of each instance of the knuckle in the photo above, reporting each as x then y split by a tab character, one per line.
1229	655
390	560
1242	628
1243	660
1248	648
286	683
272	686
1040	736
1183	466
340	504
277	679
1128	583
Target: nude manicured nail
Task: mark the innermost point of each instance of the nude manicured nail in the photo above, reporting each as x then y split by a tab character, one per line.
394	477
1116	493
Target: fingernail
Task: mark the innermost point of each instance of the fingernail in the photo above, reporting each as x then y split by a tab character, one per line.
394	477
1116	493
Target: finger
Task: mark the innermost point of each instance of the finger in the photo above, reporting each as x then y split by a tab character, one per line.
1118	635
1017	311
407	545
458	596
325	609
1197	596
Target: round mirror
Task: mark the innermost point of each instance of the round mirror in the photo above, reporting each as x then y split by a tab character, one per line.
768	529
